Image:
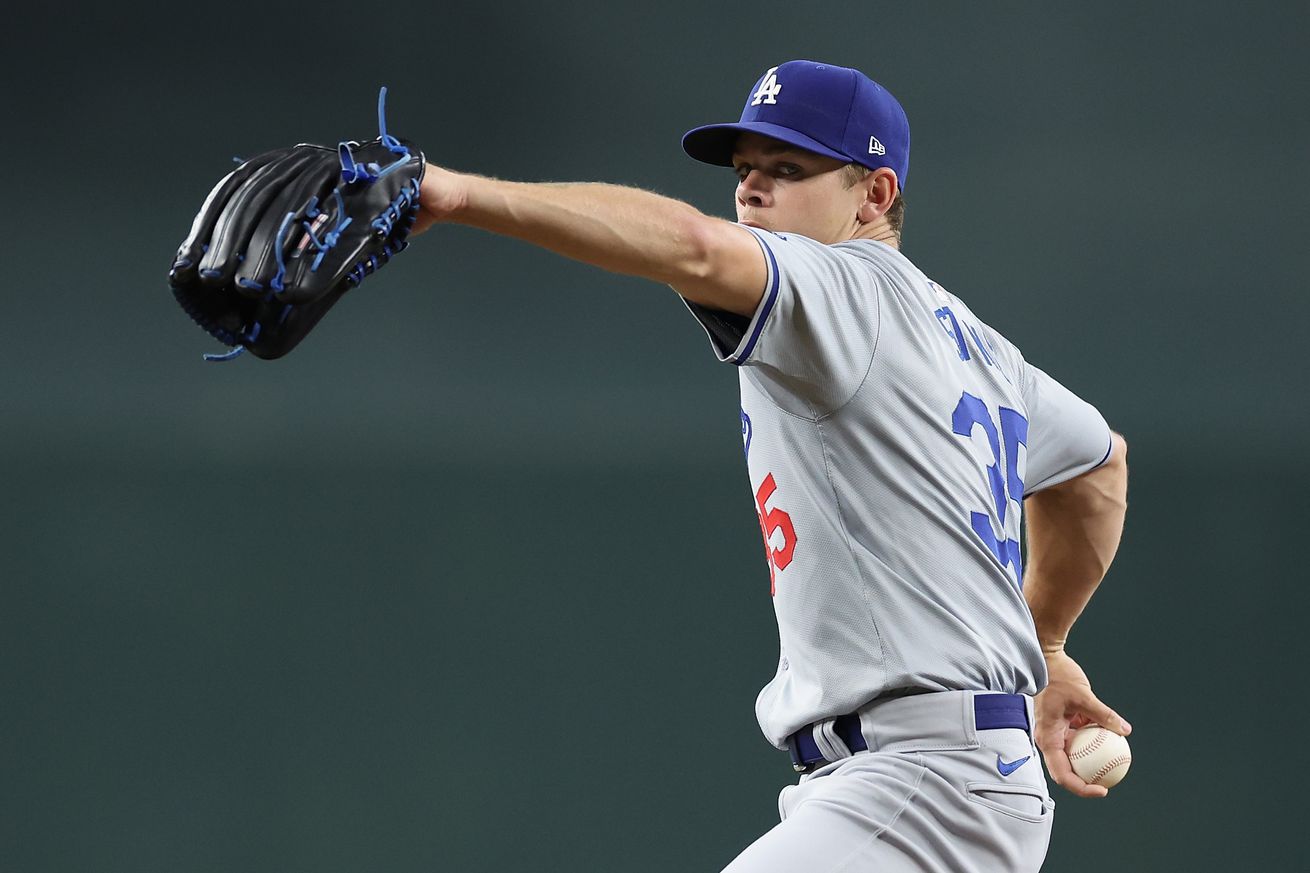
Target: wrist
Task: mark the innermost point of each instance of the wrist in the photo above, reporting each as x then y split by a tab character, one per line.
444	193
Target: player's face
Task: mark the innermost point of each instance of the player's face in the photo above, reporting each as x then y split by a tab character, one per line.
783	188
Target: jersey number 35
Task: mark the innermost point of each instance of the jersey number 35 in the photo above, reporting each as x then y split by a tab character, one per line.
972	412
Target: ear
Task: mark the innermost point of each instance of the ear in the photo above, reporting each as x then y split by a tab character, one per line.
881	189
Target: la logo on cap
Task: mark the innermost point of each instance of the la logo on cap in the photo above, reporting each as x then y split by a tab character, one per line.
769	88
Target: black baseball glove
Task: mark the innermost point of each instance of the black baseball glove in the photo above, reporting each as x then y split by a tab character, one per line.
281	238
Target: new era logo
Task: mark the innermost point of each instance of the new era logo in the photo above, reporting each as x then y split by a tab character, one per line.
875	147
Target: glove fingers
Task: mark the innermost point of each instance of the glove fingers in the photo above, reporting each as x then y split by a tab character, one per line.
245	208
273	234
187	260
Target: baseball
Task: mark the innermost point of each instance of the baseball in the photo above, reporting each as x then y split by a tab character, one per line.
1099	756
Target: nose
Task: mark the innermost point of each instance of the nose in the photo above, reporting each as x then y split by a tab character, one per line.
755	190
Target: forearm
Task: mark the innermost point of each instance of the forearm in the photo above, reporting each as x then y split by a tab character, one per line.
623	230
1073	533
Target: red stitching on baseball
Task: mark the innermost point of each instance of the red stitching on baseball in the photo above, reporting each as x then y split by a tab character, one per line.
1101	774
1096	743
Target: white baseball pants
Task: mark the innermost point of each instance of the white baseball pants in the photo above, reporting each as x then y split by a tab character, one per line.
932	795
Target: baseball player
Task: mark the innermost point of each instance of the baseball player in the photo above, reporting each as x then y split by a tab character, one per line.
893	440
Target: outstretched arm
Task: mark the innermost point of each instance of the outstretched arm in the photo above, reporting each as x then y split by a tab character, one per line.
624	230
1073	534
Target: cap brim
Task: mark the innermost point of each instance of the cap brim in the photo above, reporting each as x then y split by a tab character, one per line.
713	143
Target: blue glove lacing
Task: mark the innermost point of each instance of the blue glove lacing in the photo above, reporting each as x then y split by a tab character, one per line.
371	172
383	225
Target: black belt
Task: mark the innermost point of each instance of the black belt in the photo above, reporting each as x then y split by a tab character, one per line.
990	711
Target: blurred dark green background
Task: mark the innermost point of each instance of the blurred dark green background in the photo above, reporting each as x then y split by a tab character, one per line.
472	580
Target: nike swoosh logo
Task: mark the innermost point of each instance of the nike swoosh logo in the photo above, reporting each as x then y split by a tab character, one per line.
1005	769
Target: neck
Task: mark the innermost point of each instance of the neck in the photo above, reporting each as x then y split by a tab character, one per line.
878	231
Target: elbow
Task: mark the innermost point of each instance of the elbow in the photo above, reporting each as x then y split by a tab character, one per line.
1118	450
1118	487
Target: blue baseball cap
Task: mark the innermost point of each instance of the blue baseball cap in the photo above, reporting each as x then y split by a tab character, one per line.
833	111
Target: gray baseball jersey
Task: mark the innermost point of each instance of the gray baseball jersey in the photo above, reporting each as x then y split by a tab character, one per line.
891	437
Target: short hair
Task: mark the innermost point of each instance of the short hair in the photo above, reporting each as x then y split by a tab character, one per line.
853	174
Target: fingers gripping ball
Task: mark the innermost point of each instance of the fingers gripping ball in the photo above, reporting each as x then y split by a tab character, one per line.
281	238
1099	756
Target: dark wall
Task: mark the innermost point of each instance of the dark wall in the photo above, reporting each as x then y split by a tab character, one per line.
471	581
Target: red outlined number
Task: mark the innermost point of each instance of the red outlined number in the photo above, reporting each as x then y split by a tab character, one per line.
772	521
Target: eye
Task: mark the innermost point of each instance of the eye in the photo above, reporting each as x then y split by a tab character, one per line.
788	170
742	172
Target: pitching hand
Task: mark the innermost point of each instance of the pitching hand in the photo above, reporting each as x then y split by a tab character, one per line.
1065	705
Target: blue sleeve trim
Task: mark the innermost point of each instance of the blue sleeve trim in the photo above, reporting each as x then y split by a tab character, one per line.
770	298
1107	452
1059	479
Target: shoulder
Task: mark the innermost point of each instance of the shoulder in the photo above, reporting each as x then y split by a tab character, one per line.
858	260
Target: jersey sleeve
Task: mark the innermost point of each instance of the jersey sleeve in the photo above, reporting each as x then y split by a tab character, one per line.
816	327
1066	435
